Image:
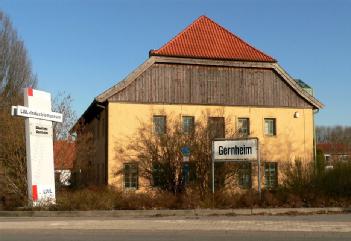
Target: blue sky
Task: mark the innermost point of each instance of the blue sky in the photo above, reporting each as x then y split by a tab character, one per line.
83	47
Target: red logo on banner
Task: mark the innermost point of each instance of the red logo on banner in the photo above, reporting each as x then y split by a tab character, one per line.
34	192
30	91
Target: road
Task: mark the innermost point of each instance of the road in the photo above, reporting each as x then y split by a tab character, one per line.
312	227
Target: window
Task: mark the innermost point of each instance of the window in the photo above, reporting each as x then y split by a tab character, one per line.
270	128
327	157
159	124
245	175
244	126
271	174
189	173
159	173
216	127
130	172
188	124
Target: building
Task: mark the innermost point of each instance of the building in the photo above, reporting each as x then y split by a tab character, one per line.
205	68
335	153
64	156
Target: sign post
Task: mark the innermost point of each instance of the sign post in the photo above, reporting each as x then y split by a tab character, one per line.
259	169
185	150
39	144
236	150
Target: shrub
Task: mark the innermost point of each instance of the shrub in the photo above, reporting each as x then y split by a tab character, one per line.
320	161
317	188
337	181
298	176
86	199
304	188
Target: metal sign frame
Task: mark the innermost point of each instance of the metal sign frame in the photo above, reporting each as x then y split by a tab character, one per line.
228	160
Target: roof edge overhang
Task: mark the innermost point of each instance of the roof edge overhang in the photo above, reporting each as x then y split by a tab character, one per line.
126	81
93	109
152	53
308	97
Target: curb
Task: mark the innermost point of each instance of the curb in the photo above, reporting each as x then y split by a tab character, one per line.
180	213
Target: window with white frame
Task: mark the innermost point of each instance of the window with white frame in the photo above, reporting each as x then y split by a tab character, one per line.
244	126
159	124
188	124
245	175
130	173
270	128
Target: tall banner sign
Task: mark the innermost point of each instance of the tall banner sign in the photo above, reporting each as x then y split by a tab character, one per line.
39	144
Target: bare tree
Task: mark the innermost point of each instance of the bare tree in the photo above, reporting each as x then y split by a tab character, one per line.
334	134
160	161
64	145
62	103
15	74
15	67
338	138
13	159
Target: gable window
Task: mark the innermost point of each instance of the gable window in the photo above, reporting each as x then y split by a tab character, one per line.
130	174
270	128
159	124
244	126
271	175
188	124
245	175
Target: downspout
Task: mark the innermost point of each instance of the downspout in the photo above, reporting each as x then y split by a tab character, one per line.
315	111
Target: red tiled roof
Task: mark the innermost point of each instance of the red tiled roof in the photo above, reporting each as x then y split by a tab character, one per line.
64	154
206	39
334	148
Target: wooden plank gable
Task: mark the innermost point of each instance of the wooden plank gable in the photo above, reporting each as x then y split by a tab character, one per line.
171	83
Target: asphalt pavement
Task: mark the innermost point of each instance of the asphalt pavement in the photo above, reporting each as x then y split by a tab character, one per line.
115	235
308	227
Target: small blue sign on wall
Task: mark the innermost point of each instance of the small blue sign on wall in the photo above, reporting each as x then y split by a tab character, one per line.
185	150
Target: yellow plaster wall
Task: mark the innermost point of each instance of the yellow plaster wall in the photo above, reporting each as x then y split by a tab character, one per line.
294	139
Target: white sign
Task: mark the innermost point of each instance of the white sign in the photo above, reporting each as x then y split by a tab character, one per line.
40	130
38	114
235	150
39	144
